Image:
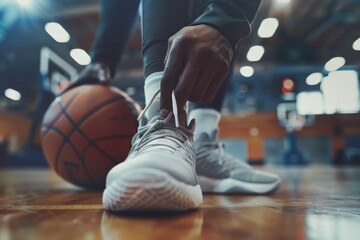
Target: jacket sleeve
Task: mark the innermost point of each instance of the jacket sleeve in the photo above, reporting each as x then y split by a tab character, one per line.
232	18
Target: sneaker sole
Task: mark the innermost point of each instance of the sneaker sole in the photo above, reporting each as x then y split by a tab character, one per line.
150	189
209	185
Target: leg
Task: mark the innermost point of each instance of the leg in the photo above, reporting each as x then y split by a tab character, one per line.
209	113
160	20
117	17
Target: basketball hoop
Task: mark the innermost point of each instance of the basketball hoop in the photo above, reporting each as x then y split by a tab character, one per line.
55	72
290	119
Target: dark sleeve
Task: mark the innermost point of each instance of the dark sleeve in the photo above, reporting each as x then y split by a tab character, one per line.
116	22
232	18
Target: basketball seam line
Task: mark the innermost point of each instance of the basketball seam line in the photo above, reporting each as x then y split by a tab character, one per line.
104	138
58	116
64	136
76	127
67	140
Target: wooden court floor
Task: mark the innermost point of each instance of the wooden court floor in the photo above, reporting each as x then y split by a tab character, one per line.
314	202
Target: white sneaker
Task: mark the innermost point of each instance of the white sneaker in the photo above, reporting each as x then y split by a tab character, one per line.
219	172
159	173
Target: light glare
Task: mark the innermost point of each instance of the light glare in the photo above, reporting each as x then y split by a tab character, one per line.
255	53
57	32
247	71
341	92
80	56
283	1
12	94
310	103
356	45
334	64
288	84
314	79
268	27
24	3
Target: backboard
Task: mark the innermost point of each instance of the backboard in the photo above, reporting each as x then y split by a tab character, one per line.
55	72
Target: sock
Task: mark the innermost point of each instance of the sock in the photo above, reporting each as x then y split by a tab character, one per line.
206	120
152	85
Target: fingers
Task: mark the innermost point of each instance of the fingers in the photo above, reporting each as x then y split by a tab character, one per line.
216	80
173	69
199	92
170	43
213	88
197	82
186	84
196	63
208	80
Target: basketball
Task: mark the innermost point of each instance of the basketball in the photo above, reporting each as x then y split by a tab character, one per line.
88	130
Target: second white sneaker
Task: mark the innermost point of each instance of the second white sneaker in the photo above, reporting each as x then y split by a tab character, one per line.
219	172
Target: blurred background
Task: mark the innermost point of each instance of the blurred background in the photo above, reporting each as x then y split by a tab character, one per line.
294	97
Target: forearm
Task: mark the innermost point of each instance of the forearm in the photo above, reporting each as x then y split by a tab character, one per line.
232	18
116	22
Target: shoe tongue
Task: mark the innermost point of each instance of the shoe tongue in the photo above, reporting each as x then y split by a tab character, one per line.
182	117
170	125
205	138
214	135
169	130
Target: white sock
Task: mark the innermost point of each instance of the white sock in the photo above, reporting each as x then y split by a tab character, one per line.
206	120
152	85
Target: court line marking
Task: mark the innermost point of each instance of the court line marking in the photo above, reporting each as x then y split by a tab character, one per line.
56	207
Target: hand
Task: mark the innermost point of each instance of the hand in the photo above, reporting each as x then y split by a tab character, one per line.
197	61
94	73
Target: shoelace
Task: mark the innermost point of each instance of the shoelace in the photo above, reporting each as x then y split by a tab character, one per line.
144	131
173	112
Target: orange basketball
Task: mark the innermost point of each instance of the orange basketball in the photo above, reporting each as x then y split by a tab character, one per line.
88	130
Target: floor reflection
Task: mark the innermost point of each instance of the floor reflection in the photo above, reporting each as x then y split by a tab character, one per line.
332	226
315	202
134	226
47	224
